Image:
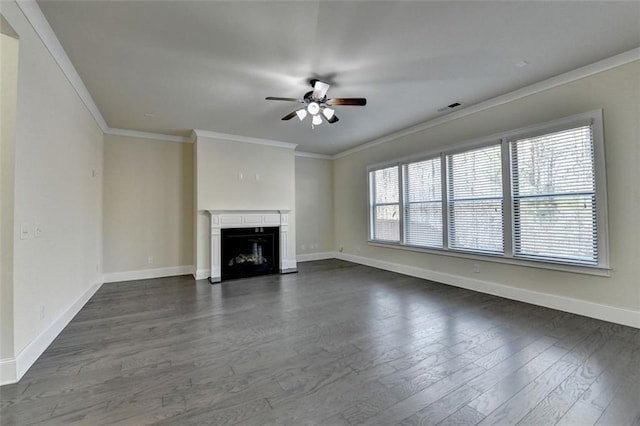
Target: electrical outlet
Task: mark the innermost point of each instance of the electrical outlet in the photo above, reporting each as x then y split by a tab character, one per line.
150	260
476	268
304	247
42	312
37	231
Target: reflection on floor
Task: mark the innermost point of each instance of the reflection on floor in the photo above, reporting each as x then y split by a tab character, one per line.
335	344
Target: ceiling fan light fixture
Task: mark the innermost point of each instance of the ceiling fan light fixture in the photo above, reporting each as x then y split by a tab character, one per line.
313	108
302	113
328	113
316	104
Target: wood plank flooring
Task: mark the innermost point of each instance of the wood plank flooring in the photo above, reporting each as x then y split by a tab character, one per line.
335	344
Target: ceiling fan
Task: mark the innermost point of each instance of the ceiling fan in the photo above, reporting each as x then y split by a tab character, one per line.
316	104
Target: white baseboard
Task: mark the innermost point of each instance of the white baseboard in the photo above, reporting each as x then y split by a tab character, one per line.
289	264
575	306
202	274
144	274
8	371
310	257
12	369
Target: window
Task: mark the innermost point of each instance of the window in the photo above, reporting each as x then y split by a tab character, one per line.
423	203
554	196
531	195
385	198
475	200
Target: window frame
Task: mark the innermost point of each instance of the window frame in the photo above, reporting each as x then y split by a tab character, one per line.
404	169
594	118
373	205
446	158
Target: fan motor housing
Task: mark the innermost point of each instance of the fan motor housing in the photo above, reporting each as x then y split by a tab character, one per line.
308	97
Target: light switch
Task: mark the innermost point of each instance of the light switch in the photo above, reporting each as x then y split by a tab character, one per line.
25	231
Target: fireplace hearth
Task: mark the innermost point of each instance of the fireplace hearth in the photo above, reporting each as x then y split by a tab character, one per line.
247	252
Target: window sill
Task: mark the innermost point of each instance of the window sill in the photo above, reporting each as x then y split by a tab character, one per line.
563	267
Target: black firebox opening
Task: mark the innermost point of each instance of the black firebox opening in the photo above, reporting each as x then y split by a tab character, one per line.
246	252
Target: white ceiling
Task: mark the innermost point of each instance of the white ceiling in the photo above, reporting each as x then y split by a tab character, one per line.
209	65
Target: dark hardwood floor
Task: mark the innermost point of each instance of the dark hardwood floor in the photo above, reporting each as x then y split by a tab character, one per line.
335	344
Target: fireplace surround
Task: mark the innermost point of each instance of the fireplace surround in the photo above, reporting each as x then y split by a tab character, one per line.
226	219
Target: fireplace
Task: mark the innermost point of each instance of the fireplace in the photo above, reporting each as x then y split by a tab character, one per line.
246	252
245	222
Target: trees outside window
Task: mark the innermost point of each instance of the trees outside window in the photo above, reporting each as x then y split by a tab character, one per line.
534	194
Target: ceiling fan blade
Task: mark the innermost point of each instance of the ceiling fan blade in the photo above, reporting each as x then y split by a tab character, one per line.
289	116
333	119
347	101
319	89
276	98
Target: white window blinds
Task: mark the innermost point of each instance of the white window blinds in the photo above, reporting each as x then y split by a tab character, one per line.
531	196
475	200
385	204
423	203
554	196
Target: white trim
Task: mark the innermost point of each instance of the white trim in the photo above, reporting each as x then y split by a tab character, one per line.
201	274
41	26
313	155
8	371
30	354
503	139
246	139
221	219
310	257
145	274
567	304
568	77
289	265
147	135
528	263
34	15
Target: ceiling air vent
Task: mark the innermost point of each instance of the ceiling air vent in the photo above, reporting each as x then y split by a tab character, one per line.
450	107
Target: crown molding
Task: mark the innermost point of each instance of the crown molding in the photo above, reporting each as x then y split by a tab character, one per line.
246	139
147	135
313	155
7	29
41	26
568	77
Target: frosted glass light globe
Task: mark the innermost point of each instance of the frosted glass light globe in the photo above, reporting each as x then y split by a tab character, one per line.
313	108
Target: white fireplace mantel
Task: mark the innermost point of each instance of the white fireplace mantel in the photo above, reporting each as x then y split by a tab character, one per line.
250	219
